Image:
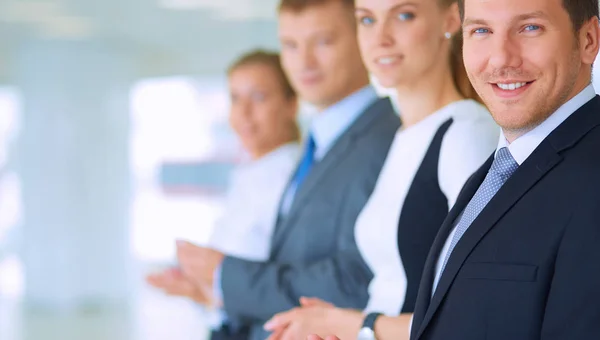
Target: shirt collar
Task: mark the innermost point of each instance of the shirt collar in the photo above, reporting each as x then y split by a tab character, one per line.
524	146
329	124
282	153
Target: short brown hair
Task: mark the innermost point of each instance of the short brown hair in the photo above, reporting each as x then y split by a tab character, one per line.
579	11
300	5
267	58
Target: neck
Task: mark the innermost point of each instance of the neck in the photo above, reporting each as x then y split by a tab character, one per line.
424	97
355	86
512	135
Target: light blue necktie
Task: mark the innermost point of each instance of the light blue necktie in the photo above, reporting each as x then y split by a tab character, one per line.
502	168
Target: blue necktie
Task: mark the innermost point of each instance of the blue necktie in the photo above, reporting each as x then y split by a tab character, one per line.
307	162
502	168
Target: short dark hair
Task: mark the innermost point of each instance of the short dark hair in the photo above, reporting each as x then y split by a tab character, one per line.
301	5
267	58
580	11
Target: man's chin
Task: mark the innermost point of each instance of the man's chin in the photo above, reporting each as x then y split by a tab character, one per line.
317	99
515	122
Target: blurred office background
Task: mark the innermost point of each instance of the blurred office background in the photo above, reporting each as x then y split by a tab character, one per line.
114	143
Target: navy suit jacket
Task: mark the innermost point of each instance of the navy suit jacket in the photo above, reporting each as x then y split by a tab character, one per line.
529	265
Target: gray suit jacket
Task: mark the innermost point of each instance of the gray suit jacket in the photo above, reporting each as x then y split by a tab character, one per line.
314	253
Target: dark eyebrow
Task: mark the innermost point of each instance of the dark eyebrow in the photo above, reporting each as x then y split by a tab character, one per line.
522	17
531	15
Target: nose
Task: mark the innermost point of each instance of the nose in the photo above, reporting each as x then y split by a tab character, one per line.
384	36
307	56
242	109
505	53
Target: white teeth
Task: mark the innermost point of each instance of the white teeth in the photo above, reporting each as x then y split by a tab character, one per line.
511	86
387	60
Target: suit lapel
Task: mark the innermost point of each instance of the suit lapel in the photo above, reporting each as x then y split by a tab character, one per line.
541	161
424	295
529	173
303	193
320	169
332	159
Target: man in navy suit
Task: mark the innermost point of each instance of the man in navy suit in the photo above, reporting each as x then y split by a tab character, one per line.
519	255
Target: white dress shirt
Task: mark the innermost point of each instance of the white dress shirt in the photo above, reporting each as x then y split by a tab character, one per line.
469	141
255	189
523	147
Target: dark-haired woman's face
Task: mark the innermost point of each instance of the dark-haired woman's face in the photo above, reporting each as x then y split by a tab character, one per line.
261	113
402	40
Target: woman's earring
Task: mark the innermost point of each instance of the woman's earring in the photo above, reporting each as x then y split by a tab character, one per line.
447	35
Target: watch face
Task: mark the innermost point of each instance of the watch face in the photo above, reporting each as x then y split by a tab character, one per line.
366	334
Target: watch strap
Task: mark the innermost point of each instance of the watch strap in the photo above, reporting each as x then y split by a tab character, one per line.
369	321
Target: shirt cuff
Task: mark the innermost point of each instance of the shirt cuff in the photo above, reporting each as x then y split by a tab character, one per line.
217	288
220	317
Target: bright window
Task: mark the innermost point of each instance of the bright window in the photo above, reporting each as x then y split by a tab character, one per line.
181	151
11	276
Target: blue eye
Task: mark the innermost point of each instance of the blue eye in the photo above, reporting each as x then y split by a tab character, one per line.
406	16
532	28
481	31
367	21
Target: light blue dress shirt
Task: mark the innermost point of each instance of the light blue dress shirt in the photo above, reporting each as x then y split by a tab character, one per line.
329	125
326	127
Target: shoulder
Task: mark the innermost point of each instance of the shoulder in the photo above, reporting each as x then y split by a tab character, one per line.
383	122
469	142
371	142
382	104
381	112
469	112
472	127
582	161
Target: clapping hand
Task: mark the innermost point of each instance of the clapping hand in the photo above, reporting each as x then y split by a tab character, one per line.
173	282
198	263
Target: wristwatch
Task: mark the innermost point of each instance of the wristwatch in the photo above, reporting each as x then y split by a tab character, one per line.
367	332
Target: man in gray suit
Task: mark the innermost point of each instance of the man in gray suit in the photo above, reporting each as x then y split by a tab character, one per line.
313	243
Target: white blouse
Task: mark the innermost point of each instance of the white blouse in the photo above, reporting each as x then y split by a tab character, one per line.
468	142
252	202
